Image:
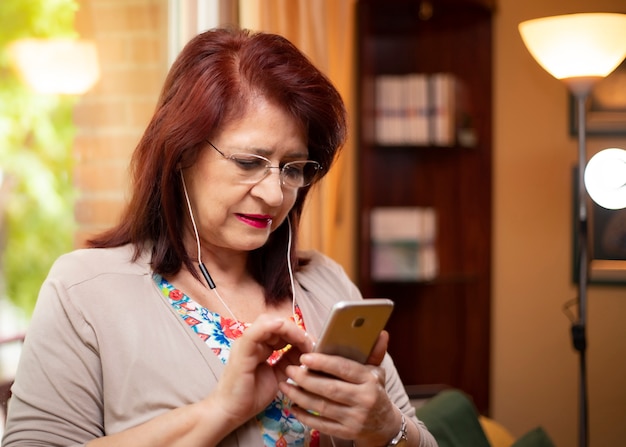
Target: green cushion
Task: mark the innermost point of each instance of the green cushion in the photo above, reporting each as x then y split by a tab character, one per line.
453	420
534	438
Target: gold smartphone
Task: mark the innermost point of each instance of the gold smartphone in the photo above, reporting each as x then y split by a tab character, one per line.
352	328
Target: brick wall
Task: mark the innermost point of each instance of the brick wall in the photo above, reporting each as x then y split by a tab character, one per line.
131	36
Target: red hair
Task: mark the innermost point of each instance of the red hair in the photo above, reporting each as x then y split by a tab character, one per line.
209	84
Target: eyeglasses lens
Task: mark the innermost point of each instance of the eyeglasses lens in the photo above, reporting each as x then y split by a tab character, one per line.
254	168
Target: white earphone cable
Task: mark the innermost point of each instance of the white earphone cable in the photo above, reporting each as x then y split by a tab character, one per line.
291	279
205	272
193	221
200	263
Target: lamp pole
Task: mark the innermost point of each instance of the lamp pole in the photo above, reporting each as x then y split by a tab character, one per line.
579	327
581	88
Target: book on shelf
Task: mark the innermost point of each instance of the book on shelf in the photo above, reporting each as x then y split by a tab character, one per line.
403	243
401	103
418	109
389	109
416	97
443	109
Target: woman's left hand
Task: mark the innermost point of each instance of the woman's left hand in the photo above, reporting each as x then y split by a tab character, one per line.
344	398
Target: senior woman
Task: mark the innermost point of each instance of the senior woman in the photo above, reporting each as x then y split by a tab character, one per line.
182	325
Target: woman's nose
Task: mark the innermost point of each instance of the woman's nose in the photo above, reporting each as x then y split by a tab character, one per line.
270	188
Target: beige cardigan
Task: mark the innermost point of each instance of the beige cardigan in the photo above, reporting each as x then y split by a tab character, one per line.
105	351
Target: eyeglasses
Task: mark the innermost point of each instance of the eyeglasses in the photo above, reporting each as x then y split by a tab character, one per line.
252	168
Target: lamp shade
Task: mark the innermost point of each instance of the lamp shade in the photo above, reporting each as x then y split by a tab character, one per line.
577	45
57	65
605	178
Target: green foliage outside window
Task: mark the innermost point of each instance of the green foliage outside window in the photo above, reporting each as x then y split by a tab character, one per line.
36	133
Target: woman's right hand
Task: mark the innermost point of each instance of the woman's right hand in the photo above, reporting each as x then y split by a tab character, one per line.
248	383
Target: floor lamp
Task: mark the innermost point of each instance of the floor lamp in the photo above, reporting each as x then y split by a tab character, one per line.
578	49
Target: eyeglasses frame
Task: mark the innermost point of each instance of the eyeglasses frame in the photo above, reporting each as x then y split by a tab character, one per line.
268	166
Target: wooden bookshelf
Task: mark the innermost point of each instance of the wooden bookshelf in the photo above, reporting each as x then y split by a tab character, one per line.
440	329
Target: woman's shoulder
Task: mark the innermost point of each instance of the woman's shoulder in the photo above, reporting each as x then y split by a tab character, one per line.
317	263
318	259
323	274
86	263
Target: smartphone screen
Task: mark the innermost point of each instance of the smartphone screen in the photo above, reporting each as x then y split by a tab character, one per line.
352	328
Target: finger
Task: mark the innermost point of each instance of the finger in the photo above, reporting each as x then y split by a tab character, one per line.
346	369
336	366
315	386
314	404
291	357
268	334
379	375
320	423
326	416
380	348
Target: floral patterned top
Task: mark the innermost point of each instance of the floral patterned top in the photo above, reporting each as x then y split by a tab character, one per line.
279	428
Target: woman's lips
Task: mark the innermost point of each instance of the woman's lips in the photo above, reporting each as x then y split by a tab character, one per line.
255	220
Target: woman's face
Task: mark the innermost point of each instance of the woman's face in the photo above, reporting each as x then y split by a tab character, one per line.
238	216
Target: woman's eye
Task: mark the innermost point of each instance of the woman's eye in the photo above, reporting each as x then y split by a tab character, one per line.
292	170
249	163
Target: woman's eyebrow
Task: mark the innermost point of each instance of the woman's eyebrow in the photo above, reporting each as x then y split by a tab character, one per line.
295	154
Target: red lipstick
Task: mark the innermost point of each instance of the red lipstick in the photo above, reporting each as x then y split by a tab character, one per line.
256	220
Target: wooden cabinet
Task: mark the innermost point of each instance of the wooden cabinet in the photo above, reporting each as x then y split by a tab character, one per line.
440	328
